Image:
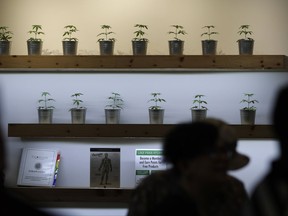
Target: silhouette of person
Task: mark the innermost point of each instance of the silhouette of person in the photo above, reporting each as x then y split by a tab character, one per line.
105	168
9	203
270	195
200	154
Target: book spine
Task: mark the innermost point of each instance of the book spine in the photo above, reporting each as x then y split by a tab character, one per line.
56	169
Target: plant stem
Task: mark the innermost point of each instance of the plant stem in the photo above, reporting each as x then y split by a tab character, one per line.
45	101
248	99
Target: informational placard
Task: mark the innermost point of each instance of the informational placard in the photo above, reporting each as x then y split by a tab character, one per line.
105	167
148	161
38	167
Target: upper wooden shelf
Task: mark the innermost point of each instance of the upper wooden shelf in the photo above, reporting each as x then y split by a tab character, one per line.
97	62
120	130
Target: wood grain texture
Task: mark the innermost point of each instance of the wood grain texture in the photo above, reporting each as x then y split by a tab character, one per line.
148	62
120	130
77	195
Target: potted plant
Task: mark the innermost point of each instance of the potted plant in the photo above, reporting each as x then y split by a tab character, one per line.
106	43
69	43
34	44
199	111
78	113
176	46
139	42
248	113
209	46
5	40
45	110
246	44
156	112
112	110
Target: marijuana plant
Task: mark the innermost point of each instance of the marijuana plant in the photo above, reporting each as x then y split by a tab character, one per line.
249	102
208	31
36	32
244	29
199	101
178	30
156	99
116	101
5	34
77	101
106	33
45	100
139	34
70	29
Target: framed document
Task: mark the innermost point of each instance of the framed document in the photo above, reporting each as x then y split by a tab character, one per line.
38	167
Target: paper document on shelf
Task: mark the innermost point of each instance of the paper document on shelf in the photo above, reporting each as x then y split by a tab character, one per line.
38	167
148	161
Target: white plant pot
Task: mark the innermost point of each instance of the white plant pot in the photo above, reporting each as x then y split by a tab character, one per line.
156	116
247	117
112	116
78	116
198	114
34	47
45	116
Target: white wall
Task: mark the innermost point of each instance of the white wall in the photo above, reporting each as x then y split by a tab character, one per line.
268	19
20	92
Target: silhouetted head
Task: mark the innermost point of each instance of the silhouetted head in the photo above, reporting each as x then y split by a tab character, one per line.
280	118
189	140
227	135
2	159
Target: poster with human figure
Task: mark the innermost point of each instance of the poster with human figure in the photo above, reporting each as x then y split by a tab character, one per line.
105	167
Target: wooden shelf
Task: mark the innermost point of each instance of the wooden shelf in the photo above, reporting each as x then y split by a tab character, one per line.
38	195
119	130
118	64
77	195
18	63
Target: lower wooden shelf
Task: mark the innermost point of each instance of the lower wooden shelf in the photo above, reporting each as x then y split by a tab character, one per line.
77	195
81	195
120	130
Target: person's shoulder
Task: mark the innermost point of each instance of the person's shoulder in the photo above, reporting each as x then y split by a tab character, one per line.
159	178
235	182
156	176
233	178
